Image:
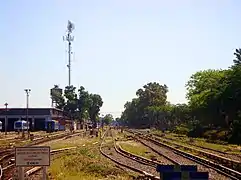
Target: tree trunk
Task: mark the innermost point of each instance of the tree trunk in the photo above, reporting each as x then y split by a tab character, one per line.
94	124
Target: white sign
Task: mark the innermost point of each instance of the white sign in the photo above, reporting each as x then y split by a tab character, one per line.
32	156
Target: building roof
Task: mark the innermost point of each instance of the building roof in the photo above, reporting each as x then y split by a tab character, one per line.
31	111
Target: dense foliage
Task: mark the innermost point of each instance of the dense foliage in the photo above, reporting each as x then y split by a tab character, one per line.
79	105
214	103
107	119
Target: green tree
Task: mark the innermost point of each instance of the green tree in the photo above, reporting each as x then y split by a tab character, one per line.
235	128
107	119
143	111
152	94
82	103
58	97
214	98
130	115
231	96
237	60
94	104
71	101
204	93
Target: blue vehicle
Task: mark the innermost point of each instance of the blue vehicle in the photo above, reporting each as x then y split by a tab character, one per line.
20	125
51	126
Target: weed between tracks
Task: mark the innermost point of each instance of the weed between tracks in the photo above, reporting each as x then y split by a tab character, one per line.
14	139
13	142
87	163
183	139
70	142
136	148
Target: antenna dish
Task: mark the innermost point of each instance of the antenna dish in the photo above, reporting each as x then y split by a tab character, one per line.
70	26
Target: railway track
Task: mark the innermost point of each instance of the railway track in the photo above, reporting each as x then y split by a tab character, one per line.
236	158
8	152
147	161
130	162
7	160
215	156
12	141
176	153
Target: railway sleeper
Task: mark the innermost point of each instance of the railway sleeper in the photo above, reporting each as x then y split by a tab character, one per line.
213	164
199	159
132	168
224	161
150	161
138	159
173	161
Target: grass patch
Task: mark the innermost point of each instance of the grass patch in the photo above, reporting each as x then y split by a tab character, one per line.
136	148
13	143
85	163
75	141
4	143
182	129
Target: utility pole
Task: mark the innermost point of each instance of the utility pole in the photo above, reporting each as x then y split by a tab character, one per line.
69	39
27	95
6	118
102	121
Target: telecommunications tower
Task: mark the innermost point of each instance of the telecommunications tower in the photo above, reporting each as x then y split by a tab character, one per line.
69	39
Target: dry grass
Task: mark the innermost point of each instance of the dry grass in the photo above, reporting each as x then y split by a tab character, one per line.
85	163
70	142
136	148
13	142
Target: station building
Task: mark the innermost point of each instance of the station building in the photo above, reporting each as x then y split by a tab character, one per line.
36	117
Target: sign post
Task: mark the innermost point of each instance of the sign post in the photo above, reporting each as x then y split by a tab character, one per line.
44	173
21	173
1	172
32	156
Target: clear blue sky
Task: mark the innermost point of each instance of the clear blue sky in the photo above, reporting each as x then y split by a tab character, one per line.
119	46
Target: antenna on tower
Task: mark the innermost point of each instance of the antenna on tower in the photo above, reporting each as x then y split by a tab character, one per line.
70	27
69	39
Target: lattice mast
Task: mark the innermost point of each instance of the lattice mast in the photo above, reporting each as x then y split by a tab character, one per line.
69	38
